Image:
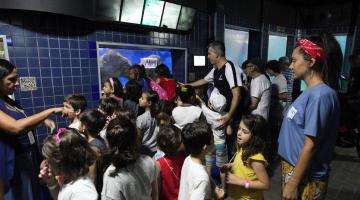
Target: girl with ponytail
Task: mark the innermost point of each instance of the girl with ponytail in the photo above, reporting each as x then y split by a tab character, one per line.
308	132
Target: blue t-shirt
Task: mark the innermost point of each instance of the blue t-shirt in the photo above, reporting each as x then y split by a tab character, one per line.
314	113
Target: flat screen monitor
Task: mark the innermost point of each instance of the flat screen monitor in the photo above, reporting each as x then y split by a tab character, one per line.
186	18
108	10
132	11
152	12
116	61
199	61
171	15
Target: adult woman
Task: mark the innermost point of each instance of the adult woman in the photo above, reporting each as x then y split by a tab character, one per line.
308	131
19	155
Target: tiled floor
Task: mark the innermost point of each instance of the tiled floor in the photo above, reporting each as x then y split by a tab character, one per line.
344	183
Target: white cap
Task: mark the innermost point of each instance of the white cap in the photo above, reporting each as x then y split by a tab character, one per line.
217	100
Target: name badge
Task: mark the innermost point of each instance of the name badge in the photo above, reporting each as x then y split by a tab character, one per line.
291	113
31	137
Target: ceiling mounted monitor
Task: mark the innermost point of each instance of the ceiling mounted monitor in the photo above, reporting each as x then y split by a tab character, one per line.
132	11
186	18
108	10
152	12
171	15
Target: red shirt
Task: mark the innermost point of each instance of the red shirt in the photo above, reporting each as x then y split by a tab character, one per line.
169	86
170	175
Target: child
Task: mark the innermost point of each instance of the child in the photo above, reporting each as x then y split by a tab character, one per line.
68	155
107	107
247	176
166	80
114	89
186	111
217	104
74	104
130	175
195	181
147	122
169	166
133	94
92	122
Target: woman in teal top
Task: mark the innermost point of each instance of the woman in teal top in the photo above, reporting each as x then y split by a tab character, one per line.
309	129
19	156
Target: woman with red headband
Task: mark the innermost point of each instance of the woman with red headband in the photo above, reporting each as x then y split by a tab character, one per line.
309	128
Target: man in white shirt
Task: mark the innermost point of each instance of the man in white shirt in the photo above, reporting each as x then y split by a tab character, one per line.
259	88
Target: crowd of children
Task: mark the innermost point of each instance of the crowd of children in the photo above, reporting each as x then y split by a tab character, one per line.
136	146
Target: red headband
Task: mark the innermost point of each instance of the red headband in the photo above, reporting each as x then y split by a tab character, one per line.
314	50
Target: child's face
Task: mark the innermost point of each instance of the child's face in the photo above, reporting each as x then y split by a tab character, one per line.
107	89
69	111
143	102
243	134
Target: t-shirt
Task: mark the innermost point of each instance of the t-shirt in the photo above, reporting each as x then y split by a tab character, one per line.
147	126
82	188
98	143
131	105
260	88
185	114
132	182
290	82
170	175
314	113
75	124
225	79
244	171
194	181
169	86
212	118
278	86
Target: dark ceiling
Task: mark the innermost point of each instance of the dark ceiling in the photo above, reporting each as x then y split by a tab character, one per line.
311	2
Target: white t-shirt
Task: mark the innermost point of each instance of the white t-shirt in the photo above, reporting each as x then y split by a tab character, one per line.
194	181
278	86
82	188
229	75
260	88
132	182
212	118
185	114
75	124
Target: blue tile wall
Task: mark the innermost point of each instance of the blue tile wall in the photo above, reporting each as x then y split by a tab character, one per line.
61	53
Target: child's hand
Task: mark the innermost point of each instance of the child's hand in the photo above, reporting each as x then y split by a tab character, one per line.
219	193
233	179
226	168
45	173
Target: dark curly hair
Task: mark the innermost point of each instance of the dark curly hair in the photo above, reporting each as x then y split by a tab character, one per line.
116	86
108	106
186	94
133	90
169	139
195	136
163	71
124	143
256	144
72	155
